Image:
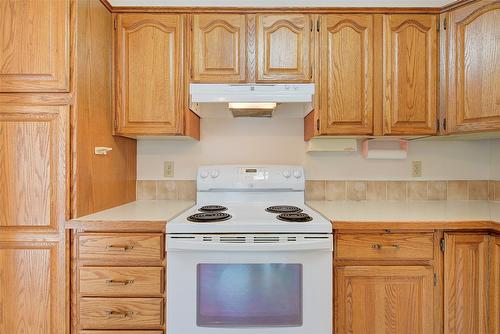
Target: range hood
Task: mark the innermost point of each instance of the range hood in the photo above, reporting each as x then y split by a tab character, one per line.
251	100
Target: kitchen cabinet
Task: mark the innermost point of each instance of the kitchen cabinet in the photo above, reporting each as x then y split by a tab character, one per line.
33	146
35	45
219	48
284	46
345	85
470	283
410	74
149	77
473	67
373	299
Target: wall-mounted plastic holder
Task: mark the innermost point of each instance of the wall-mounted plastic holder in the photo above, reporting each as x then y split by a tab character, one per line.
385	149
102	150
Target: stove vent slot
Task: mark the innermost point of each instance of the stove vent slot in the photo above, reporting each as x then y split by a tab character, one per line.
265	240
236	240
207	238
316	237
292	238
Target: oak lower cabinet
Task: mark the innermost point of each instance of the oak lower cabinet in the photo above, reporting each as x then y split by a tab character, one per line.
119	282
473	67
471	279
150	83
33	147
35	43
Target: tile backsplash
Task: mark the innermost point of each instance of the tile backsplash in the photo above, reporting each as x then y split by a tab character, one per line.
321	190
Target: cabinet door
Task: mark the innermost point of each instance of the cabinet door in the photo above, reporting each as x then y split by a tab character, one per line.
346	85
32	167
466	284
284	47
390	299
219	48
474	67
34	45
410	74
149	94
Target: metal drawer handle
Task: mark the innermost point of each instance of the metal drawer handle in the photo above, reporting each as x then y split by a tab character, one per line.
117	282
117	314
379	246
119	248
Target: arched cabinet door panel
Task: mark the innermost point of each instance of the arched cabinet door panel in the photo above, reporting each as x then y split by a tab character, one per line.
148	77
474	67
34	45
410	75
219	47
284	47
346	84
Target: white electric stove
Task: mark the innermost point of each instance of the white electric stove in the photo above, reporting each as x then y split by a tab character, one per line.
250	257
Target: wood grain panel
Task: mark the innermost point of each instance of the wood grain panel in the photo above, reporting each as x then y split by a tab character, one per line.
474	67
284	47
35	45
411	73
124	247
347	73
466	285
121	313
219	48
149	74
32	166
122	281
98	182
385	246
32	295
396	300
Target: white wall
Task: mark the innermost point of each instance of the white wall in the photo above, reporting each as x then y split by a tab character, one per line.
280	141
495	159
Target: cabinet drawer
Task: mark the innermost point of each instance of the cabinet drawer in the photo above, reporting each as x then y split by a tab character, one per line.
121	281
385	246
121	313
121	332
124	247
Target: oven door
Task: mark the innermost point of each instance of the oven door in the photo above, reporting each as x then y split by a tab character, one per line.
269	284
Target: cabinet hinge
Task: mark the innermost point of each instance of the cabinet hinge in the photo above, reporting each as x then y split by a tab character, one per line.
317	124
435	279
115	23
445	21
442	245
317	26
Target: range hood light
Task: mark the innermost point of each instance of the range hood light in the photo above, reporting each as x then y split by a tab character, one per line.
260	109
265	105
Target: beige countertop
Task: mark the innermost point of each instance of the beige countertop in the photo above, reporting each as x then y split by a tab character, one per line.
425	214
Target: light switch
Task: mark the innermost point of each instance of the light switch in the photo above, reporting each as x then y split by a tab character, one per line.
416	168
168	169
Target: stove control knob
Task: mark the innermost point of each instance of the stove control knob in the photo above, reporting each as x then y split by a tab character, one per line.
286	174
297	174
204	174
214	174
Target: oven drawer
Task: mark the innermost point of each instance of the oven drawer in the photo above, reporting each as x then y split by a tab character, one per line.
418	246
121	332
124	247
121	313
122	281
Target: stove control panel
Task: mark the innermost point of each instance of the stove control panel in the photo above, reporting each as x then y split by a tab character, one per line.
250	177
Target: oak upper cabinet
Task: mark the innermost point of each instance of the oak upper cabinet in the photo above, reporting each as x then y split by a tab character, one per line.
474	67
384	299
284	47
34	45
219	48
410	74
468	284
346	74
149	96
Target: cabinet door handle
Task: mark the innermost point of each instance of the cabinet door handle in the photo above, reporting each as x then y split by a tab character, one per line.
118	314
119	248
379	246
118	282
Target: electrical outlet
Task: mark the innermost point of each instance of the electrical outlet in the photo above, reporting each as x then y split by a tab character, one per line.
416	168
168	169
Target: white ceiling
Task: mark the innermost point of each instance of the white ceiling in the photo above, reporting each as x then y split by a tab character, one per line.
284	3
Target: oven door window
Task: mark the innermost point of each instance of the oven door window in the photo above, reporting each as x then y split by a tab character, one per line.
249	295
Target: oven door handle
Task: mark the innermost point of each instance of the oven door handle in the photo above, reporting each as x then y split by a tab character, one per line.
324	244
